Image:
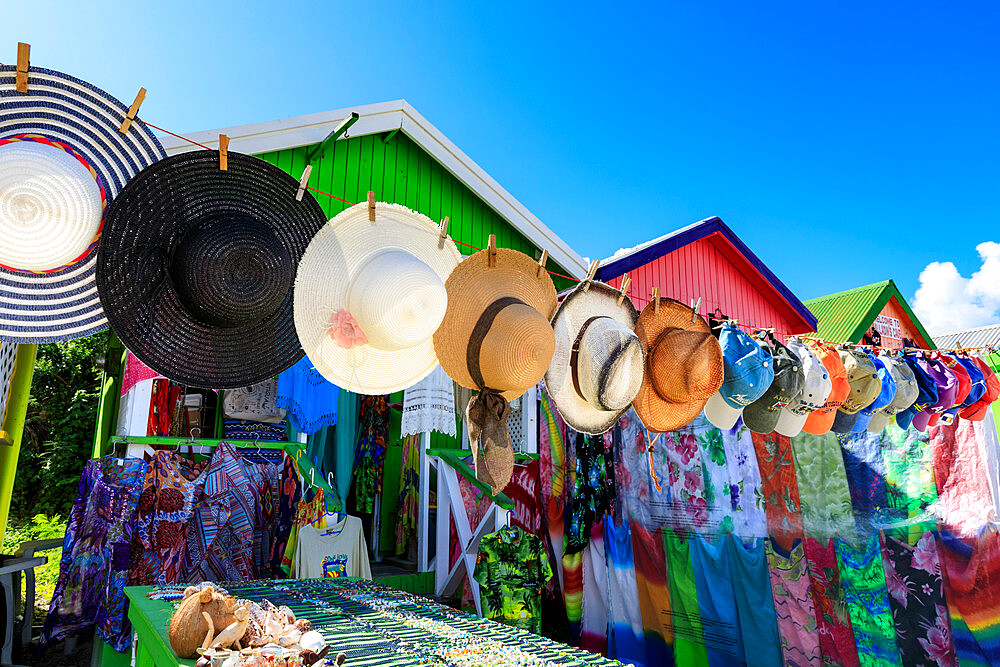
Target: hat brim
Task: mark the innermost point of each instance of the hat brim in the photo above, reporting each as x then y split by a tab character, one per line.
599	300
656	413
878	422
323	281
473	286
819	423
789	423
720	413
64	304
147	221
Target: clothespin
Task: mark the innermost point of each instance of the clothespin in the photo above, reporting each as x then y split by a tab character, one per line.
541	263
223	152
132	111
491	250
624	290
23	51
590	274
303	182
694	310
442	233
656	300
371	206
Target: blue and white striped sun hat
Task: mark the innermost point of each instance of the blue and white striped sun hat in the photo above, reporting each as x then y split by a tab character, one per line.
61	303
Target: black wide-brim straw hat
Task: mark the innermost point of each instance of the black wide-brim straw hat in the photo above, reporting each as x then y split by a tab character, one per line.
63	304
196	267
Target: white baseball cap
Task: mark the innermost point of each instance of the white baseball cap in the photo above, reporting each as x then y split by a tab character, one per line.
815	390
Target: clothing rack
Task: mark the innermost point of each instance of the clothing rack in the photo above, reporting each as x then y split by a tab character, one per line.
296	450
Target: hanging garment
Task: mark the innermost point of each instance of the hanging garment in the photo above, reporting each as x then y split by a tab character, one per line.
310	509
689	638
717	601
429	406
654	594
339	550
916	596
309	398
289	495
136	372
964	493
8	359
986	435
749	519
221	537
864	584
523	490
779	488
407	502
591	492
715	475
93	570
972	589
572	569
911	494
836	638
345	441
373	419
793	605
170	490
162	404
254	403
625	636
754	603
263	468
824	494
865	469
512	568
596	602
643	493
686	508
552	477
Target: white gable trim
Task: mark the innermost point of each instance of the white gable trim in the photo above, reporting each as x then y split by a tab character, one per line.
382	117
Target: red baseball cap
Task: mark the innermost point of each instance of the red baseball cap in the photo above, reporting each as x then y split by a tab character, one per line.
978	410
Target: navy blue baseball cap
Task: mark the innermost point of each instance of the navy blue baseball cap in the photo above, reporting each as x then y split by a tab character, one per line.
927	393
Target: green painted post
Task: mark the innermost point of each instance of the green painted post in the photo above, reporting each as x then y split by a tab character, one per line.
17	407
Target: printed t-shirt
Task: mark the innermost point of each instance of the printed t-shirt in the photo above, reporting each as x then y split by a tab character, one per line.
339	550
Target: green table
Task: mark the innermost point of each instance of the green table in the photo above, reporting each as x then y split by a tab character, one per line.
372	623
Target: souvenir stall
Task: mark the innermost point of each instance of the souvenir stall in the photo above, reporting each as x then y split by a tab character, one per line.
712	486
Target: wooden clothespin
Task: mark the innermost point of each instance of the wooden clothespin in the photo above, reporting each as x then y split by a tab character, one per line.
590	274
223	152
542	261
371	206
656	300
132	111
624	290
442	233
694	310
23	51
491	251
303	182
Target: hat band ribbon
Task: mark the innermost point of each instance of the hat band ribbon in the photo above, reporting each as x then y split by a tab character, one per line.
479	332
574	356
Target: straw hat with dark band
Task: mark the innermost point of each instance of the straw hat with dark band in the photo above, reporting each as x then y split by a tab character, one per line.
496	337
62	159
597	366
683	365
196	266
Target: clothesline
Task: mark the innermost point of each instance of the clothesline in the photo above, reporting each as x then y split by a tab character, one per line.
750	328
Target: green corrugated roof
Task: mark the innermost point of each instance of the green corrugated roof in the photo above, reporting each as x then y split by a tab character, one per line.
846	316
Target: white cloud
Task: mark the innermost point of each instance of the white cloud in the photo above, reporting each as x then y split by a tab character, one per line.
948	301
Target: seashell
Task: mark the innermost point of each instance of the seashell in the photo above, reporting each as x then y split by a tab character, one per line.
288	614
303	625
312	641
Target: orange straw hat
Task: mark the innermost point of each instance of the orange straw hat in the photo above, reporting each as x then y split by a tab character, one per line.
683	365
496	337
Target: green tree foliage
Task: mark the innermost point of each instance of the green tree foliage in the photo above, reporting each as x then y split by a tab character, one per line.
59	429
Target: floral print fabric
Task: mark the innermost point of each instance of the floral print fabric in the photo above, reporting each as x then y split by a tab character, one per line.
170	490
779	488
836	638
749	519
512	569
916	595
369	457
867	601
793	605
94	567
686	508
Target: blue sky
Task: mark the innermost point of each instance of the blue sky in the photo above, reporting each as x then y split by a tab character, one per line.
845	145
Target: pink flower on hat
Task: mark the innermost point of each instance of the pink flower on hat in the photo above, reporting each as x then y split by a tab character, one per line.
345	331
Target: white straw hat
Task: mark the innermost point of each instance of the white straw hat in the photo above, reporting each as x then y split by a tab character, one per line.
598	362
370	295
